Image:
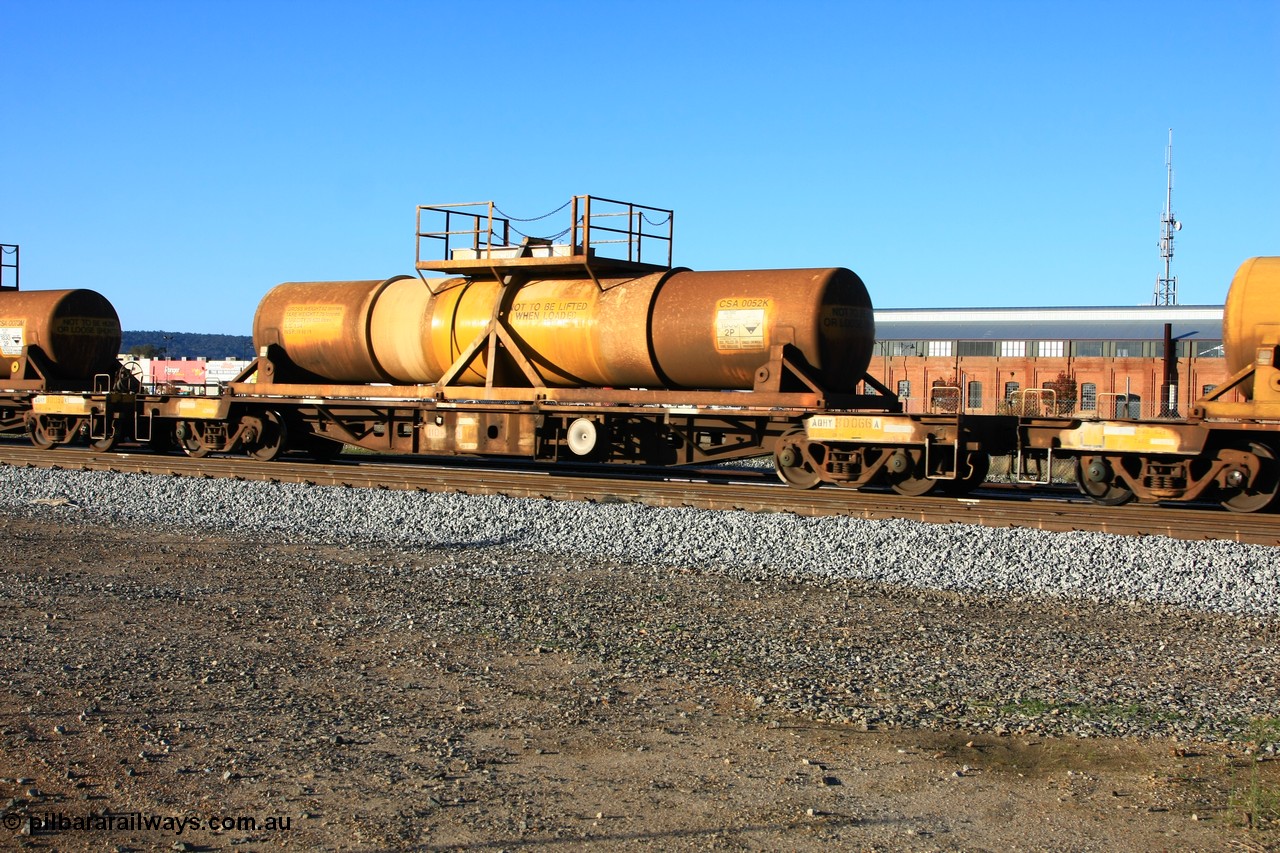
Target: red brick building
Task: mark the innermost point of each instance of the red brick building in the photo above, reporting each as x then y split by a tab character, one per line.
1108	361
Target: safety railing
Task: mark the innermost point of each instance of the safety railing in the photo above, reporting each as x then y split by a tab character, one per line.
1115	405
468	226
1033	403
178	388
600	222
9	266
597	227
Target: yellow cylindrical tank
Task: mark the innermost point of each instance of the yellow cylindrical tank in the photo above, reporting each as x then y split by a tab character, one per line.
78	331
1252	302
400	331
579	334
677	329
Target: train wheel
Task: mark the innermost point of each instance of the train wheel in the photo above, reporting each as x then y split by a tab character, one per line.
1258	495
105	445
272	437
1096	479
793	465
978	465
904	471
38	431
188	435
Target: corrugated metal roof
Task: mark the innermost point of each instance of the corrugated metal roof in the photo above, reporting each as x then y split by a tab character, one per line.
1190	322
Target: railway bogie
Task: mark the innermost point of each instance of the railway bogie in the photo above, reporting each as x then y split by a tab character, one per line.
912	454
1237	469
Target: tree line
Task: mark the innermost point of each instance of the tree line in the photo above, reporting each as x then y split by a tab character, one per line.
185	345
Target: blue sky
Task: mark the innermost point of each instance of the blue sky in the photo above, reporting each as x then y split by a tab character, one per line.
183	158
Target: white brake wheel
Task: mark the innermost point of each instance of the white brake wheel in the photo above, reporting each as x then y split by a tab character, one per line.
582	436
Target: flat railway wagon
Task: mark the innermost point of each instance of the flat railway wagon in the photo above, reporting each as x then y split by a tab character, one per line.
591	346
589	350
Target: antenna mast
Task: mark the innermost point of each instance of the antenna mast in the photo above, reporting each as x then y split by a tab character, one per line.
1166	290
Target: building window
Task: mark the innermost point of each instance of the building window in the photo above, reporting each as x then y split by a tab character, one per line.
1207	390
1049	349
1208	349
975	395
1088	396
902	348
1128	406
1011	390
977	348
940	348
1129	349
1013	349
1086	349
904	387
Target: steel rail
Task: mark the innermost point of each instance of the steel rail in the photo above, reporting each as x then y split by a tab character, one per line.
684	488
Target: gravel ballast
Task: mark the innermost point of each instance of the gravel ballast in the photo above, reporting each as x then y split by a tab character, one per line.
1219	576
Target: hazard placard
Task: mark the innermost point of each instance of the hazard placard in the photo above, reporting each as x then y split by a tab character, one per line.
11	339
740	329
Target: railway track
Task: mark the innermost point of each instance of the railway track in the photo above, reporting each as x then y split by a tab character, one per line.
720	489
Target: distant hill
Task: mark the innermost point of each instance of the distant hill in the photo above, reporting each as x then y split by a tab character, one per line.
189	344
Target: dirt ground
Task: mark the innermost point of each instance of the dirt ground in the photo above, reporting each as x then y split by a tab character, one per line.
184	692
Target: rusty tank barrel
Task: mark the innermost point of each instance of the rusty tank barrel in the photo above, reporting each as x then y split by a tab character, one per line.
672	329
325	327
713	329
77	331
1251	313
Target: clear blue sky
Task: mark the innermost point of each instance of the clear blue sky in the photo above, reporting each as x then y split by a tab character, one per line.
183	157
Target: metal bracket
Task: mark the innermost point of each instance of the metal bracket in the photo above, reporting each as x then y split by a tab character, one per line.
955	461
1018	474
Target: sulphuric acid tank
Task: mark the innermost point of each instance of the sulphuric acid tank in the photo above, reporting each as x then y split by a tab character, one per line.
77	331
672	329
1253	302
